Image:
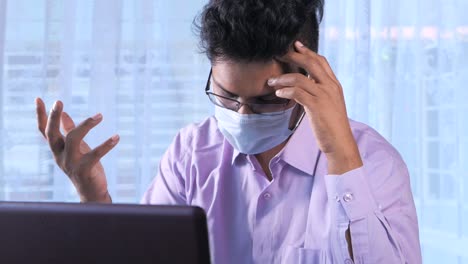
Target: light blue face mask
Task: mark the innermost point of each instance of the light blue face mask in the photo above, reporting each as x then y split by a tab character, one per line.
254	133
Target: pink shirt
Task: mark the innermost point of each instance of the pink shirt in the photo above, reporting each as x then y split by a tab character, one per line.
302	214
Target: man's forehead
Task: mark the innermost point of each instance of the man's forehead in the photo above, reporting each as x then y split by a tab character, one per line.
252	69
246	79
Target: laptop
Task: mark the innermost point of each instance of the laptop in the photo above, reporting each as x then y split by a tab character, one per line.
97	233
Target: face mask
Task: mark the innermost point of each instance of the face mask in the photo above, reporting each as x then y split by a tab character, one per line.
254	133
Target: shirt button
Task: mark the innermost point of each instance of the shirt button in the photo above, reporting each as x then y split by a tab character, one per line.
348	261
267	196
348	197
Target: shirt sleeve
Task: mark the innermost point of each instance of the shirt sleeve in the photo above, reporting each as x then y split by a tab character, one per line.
168	187
375	202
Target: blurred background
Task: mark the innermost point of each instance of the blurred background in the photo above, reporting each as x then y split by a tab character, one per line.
403	65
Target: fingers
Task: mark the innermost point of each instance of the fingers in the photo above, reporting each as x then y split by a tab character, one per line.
41	116
321	60
67	123
296	80
96	154
289	79
309	60
298	94
52	129
328	68
76	135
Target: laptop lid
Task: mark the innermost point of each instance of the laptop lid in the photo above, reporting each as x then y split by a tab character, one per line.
98	233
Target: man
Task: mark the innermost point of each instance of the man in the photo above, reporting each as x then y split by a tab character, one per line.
282	173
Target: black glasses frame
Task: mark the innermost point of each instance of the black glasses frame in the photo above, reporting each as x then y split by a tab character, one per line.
237	103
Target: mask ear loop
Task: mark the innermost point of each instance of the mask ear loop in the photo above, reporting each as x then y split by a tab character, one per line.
287	69
294	126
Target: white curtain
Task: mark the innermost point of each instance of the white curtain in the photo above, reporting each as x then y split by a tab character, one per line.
136	62
403	65
404	68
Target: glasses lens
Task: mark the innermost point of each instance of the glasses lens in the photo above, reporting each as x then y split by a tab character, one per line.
277	108
269	108
223	102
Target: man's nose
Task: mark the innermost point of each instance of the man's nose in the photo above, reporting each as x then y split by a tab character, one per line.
245	110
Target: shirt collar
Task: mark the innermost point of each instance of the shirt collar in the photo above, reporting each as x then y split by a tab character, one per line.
235	155
301	151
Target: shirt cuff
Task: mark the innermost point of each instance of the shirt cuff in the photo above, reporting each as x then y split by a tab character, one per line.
352	191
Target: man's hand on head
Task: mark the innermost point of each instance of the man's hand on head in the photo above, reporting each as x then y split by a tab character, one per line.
322	97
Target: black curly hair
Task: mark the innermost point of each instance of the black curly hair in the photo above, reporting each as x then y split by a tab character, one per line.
257	30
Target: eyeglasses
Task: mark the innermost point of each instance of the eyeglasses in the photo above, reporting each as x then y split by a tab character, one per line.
275	106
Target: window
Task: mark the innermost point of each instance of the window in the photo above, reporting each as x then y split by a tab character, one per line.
403	66
134	61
